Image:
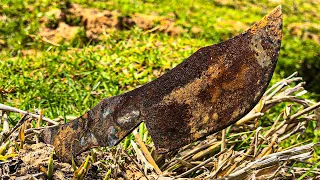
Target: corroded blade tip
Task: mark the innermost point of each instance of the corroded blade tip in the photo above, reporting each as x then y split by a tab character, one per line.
214	87
270	26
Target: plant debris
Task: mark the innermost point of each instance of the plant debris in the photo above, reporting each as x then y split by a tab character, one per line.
250	149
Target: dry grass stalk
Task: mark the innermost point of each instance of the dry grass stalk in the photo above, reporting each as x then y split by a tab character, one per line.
6	127
141	157
146	152
6	133
303	152
12	109
250	149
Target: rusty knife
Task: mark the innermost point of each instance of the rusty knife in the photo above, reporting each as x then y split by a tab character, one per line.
210	90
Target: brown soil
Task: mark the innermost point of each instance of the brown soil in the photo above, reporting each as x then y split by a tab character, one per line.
58	26
307	30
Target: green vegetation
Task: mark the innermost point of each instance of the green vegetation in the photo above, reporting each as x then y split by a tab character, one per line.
71	76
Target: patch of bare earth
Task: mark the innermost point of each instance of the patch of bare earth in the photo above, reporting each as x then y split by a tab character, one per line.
310	31
32	163
58	26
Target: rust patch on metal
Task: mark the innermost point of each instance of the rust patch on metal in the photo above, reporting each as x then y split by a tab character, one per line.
104	125
210	90
232	78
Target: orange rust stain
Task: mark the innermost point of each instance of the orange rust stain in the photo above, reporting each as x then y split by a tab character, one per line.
205	119
215	94
216	71
215	116
65	134
260	25
85	115
238	82
213	71
188	92
195	135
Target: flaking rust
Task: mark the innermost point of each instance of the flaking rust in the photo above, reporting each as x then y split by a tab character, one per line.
210	90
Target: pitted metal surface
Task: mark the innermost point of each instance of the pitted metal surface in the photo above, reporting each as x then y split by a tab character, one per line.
210	90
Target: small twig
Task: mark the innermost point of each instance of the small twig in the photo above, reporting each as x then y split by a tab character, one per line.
281	82
20	122
279	86
12	109
6	127
45	40
37	130
315	106
317	115
207	151
292	75
269	147
1	114
152	30
286	99
136	164
224	161
200	165
316	170
197	149
248	118
298	87
146	152
50	42
277	171
298	128
223	140
272	159
185	163
140	156
256	141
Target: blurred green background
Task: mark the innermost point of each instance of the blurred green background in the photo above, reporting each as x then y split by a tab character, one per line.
65	57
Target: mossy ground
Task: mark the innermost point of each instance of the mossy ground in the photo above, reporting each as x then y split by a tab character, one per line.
69	79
